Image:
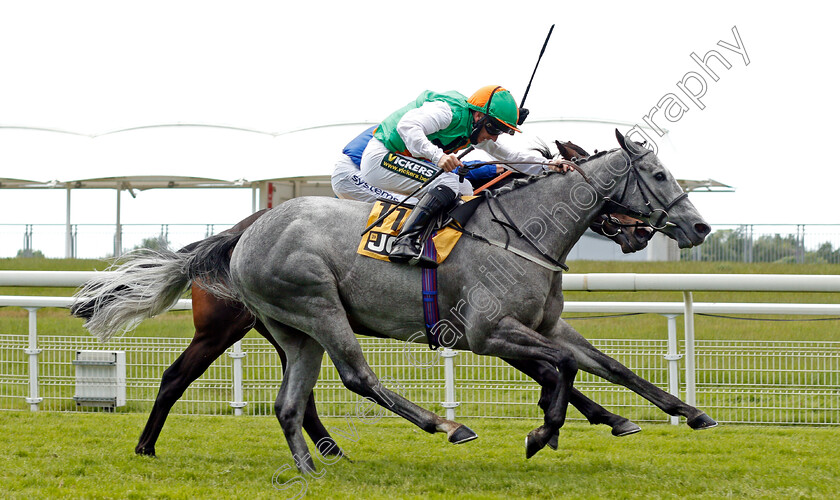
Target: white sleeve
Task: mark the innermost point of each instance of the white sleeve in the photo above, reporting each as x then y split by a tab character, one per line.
500	151
416	125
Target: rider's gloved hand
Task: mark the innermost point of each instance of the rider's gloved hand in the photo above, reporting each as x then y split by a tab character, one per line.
449	162
561	166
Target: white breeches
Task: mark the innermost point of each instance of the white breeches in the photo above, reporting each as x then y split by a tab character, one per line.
348	183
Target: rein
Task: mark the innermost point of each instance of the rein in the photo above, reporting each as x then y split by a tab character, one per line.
552	264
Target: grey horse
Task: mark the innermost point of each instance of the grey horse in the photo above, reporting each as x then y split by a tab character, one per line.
297	270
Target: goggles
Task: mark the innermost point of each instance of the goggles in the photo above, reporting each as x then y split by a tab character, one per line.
494	127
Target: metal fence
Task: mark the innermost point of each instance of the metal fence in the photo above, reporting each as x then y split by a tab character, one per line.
93	241
791	243
794	243
743	382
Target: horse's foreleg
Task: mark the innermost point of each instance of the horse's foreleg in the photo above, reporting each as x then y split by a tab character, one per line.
594	361
510	339
546	375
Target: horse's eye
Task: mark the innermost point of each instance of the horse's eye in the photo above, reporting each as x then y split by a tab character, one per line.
659	176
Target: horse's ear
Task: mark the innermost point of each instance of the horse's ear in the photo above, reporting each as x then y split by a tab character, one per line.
579	150
632	148
564	151
621	140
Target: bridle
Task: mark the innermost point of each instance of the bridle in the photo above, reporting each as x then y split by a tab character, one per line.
659	223
607	220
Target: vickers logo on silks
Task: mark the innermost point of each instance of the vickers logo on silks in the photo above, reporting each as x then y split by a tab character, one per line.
408	167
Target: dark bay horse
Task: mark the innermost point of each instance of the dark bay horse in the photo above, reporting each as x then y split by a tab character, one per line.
311	293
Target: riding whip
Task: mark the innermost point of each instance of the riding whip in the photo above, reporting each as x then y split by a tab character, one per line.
523	113
528	88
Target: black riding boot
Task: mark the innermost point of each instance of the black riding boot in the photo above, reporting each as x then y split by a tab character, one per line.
408	247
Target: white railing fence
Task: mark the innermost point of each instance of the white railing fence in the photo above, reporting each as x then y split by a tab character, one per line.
734	381
794	243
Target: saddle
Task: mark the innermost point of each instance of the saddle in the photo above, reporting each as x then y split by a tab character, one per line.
441	235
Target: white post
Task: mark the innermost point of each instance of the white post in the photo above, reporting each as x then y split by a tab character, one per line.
68	236
449	376
254	198
33	352
237	404
673	358
118	235
690	373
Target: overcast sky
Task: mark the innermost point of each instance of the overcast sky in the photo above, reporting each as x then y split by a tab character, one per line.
93	67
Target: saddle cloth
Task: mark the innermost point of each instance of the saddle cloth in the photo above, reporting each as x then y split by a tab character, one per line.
377	242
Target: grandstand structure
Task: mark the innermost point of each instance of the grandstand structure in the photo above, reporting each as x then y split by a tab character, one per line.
275	166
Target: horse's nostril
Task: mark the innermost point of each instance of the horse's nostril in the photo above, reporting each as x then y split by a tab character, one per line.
644	233
702	228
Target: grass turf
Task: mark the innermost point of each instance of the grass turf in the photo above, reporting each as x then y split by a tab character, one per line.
91	456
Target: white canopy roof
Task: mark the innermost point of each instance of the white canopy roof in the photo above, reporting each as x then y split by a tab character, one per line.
184	154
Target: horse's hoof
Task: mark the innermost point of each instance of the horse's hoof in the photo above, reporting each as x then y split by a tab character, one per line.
625	428
536	440
552	442
462	435
149	452
328	448
702	421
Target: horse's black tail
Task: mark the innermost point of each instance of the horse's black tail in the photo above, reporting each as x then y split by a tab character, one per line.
145	283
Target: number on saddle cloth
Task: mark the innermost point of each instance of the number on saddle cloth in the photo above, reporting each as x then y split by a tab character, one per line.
377	242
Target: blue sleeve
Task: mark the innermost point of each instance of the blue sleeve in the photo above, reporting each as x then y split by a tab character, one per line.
356	147
480	174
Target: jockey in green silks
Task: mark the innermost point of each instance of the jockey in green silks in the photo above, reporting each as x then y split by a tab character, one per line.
419	139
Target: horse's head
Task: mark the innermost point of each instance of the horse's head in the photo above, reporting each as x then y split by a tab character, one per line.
652	194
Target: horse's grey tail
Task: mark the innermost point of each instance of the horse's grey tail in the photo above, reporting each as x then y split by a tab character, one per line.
145	283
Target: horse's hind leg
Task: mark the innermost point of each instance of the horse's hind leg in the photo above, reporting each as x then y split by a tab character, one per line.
594	361
218	325
311	421
597	414
303	364
335	334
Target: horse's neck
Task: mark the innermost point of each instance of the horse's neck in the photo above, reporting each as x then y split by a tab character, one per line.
603	177
554	212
